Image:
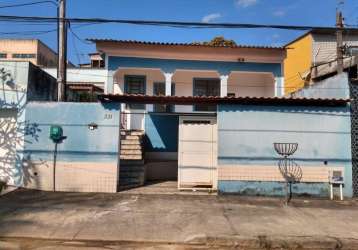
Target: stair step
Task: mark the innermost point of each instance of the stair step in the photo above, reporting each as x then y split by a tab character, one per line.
131	180
136	174
128	186
132	132
131	137
131	142
132	163
128	169
131	157
131	147
131	152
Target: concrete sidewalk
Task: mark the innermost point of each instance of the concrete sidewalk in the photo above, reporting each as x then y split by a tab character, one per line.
182	219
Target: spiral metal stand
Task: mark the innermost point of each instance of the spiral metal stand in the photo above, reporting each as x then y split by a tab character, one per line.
289	169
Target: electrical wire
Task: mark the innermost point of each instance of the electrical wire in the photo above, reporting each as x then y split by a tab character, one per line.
77	37
28	33
26	4
174	24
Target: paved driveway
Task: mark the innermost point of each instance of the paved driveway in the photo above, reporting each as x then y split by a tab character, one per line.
180	219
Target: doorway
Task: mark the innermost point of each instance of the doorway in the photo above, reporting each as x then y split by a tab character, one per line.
197	153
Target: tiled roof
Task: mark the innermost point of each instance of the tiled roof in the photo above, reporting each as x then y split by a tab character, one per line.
189	100
183	44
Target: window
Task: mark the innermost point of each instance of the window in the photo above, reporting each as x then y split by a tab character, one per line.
134	85
159	90
3	55
23	55
97	63
206	87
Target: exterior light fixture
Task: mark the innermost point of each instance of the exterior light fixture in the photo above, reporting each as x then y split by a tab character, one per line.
92	126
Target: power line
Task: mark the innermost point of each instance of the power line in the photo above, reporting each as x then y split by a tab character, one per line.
74	45
77	37
175	24
26	4
28	33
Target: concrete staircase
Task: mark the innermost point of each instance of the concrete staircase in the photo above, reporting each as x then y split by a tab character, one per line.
131	170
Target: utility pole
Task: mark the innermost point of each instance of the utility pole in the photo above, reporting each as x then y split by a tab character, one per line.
62	51
340	26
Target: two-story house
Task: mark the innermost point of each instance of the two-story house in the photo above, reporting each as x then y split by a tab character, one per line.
183	70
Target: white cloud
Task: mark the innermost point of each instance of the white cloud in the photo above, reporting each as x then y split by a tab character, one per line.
275	36
246	3
211	17
279	13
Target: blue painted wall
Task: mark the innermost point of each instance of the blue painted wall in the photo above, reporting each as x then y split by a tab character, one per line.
161	133
247	133
170	65
81	144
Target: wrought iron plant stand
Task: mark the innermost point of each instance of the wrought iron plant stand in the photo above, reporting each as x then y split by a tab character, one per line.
289	169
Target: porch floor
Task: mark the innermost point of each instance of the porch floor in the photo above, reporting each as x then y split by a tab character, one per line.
164	187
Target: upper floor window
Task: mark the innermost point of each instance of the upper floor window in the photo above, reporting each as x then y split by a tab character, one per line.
134	85
159	90
97	63
3	55
23	55
206	87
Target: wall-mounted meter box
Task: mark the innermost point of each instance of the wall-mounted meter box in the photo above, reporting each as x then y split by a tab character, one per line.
56	133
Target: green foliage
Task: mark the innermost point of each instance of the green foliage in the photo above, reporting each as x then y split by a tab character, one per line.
218	41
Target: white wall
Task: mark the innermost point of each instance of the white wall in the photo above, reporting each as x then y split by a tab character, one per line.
251	84
84	75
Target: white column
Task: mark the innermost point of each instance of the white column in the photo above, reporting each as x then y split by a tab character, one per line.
279	86
223	85
168	83
109	84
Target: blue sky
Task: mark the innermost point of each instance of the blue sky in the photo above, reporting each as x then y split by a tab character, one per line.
290	12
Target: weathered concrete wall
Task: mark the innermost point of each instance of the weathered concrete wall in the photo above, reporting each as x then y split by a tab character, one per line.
41	86
333	87
13	96
20	82
247	134
87	160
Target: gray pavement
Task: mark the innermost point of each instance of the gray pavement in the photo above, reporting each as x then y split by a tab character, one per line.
176	221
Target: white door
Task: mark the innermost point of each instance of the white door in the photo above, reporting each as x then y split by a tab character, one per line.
197	152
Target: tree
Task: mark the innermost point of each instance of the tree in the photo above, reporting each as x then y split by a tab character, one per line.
218	41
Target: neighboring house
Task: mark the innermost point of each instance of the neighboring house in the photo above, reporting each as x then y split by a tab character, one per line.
96	61
27	50
87	159
83	84
313	56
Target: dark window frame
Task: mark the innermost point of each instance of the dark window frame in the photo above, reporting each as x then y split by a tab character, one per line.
24	55
162	108
205	107
126	90
3	55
